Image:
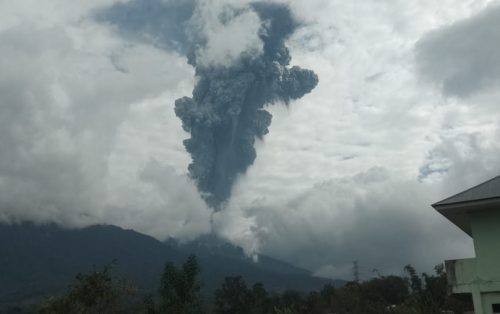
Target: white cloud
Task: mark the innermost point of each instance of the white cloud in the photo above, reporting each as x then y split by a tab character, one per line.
70	90
230	30
147	188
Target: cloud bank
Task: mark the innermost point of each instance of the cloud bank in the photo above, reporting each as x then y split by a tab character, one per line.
70	91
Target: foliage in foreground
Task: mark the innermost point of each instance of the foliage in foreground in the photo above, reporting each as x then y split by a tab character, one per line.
179	293
411	294
94	292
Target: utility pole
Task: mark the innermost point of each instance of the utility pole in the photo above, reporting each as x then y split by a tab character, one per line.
355	271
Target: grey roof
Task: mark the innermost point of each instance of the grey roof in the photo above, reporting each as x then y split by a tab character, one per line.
486	190
458	207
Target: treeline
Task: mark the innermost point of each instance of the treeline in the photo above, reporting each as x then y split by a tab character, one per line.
179	292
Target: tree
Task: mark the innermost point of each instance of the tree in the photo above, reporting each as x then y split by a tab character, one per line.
180	288
260	299
415	280
429	293
233	296
284	310
390	290
94	292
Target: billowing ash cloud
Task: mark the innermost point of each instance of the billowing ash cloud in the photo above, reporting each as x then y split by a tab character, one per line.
226	113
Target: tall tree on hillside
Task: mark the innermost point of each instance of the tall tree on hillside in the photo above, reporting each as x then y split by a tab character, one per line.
95	292
415	280
180	288
233	297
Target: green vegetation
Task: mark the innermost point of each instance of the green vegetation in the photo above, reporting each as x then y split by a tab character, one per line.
94	292
180	289
179	293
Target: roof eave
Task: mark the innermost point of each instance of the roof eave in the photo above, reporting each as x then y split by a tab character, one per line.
485	203
458	213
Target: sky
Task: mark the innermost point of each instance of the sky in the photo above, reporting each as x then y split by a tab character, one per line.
404	115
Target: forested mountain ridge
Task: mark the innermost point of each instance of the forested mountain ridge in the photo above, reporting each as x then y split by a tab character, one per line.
39	261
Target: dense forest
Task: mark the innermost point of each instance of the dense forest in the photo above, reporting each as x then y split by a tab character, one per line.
179	292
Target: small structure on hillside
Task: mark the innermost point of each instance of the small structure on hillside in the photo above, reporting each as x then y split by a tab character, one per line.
477	212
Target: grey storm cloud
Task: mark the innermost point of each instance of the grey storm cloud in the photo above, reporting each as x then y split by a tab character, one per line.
226	113
161	23
383	221
462	58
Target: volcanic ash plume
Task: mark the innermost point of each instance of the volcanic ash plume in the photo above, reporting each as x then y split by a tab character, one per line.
226	112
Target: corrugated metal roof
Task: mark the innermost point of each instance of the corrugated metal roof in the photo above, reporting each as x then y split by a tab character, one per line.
486	190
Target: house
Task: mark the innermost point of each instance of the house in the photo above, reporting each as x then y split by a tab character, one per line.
477	212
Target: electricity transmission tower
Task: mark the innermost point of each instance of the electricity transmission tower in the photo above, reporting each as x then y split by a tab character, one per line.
355	271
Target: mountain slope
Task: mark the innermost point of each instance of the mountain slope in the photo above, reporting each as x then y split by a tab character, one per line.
39	261
222	259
